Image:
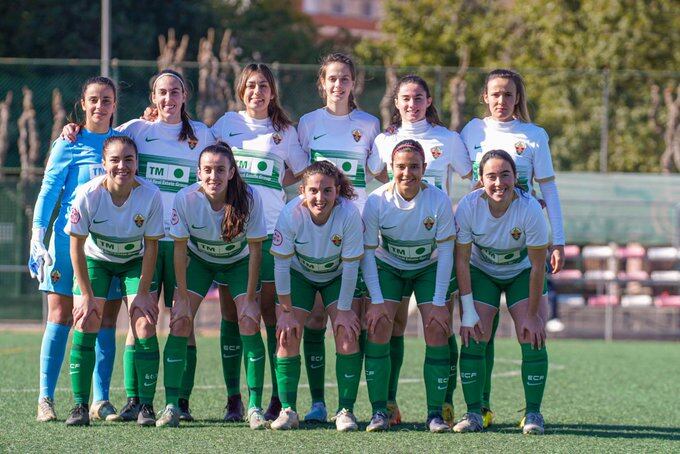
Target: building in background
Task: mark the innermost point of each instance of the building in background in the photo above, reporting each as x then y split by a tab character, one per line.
360	17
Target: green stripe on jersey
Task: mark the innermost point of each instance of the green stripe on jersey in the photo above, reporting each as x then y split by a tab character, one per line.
350	166
502	257
169	174
118	247
414	251
220	249
319	265
258	169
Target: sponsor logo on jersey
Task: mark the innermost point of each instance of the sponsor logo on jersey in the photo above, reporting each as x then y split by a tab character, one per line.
174	218
428	222
277	138
320	136
99	221
516	233
336	240
55	275
139	220
96	170
520	147
150	139
74	218
436	152
232	134
277	238
192	142
391	129
357	135
478	147
167	172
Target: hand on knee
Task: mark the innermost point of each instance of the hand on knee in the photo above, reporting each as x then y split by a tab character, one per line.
181	327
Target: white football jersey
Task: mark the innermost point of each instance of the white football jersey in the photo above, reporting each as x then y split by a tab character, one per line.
344	140
164	160
406	233
445	152
193	219
525	142
262	155
318	250
116	233
500	244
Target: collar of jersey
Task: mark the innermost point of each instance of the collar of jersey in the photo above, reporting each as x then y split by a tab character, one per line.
419	127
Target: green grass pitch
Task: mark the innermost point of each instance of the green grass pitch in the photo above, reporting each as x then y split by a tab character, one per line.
619	397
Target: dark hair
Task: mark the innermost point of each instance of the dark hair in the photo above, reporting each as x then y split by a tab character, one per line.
337	57
520	110
97	80
410	146
431	114
187	131
238	199
505	156
123	140
329	169
278	116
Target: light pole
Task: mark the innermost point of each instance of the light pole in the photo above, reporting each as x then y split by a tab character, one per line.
106	38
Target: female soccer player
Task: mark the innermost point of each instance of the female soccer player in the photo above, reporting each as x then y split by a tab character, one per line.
508	127
264	142
115	223
221	221
317	246
340	133
409	233
501	247
168	157
71	165
415	117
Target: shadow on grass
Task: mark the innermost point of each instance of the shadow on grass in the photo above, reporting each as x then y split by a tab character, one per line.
601	431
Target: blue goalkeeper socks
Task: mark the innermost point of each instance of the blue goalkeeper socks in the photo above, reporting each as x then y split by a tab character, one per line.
51	357
105	351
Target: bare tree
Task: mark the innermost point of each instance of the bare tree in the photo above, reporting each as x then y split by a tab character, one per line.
387	101
215	95
457	86
4	129
28	143
171	52
59	114
671	130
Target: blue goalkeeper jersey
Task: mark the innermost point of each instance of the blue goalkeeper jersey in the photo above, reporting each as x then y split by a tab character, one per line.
69	166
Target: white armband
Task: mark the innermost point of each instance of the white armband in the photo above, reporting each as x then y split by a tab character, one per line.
282	275
350	271
369	269
443	275
552	205
470	316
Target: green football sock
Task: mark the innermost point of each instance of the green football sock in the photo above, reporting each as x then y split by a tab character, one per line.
82	365
271	354
453	373
534	375
396	360
348	371
288	376
189	374
174	363
472	365
363	336
436	372
254	353
129	372
147	359
377	367
230	343
314	346
490	352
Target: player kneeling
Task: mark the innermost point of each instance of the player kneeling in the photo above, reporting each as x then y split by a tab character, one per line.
115	223
317	246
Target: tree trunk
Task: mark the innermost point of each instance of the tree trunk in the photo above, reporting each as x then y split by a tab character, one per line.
29	145
387	101
4	130
59	115
457	85
671	137
171	53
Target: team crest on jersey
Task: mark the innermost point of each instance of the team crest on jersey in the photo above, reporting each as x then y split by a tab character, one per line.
516	233
139	220
277	238
192	143
428	223
277	138
75	216
357	135
55	275
520	147
391	129
336	240
436	152
174	218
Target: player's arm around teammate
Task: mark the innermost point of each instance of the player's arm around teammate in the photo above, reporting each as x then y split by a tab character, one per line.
221	223
406	221
115	224
501	248
317	247
265	143
71	165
